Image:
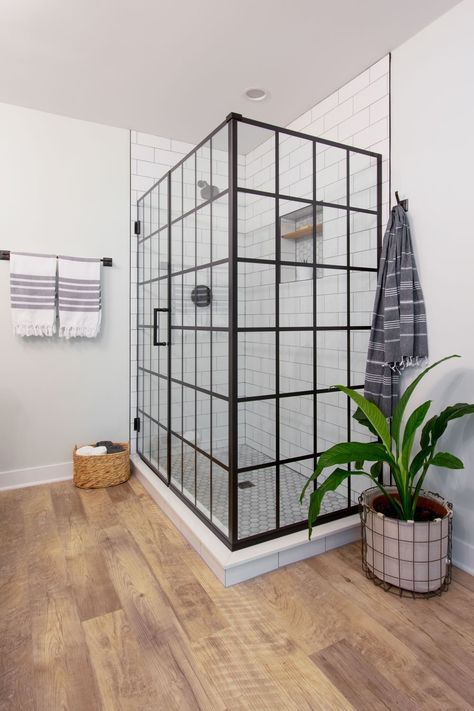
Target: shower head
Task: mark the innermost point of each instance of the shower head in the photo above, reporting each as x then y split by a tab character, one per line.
207	191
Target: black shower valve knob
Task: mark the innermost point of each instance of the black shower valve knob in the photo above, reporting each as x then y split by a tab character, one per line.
201	295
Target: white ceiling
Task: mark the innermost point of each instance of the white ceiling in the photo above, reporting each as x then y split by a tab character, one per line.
177	67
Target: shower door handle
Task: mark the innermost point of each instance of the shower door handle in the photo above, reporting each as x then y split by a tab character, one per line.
155	328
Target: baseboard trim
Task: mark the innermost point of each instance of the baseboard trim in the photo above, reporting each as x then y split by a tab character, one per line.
33	476
463	555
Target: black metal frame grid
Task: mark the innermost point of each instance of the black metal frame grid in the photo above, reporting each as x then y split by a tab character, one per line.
145	323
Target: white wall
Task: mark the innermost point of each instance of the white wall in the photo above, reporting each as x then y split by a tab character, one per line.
432	154
65	189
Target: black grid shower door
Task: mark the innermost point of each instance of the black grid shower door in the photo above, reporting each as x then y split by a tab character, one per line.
182	352
257	261
152	328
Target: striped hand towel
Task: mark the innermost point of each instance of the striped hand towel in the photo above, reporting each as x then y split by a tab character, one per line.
398	338
79	297
33	293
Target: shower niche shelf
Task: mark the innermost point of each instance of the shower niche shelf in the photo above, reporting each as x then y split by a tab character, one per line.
297	229
298	224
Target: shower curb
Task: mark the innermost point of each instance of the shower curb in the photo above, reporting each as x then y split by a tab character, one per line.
232	567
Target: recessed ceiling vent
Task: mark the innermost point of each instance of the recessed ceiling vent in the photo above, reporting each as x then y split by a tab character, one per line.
256	94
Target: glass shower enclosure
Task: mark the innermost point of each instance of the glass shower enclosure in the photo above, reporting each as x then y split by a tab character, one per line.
257	267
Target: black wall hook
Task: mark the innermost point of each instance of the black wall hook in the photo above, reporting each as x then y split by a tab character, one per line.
403	203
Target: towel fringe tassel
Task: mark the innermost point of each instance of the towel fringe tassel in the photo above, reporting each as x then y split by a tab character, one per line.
78	332
408	362
31	329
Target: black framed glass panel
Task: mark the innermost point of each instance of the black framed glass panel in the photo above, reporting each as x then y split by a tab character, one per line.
257	264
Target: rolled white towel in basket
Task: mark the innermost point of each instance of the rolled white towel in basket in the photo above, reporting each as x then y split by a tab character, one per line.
33	293
88	451
79	297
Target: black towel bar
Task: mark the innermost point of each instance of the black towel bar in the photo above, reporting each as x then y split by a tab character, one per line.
5	256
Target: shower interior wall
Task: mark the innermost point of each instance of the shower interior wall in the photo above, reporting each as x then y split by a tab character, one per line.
257	297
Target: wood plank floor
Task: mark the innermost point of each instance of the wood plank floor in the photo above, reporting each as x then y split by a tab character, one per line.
105	606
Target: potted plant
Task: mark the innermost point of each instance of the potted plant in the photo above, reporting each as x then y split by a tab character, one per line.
406	530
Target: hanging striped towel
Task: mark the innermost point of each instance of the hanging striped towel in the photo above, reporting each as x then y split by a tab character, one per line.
33	293
79	297
398	338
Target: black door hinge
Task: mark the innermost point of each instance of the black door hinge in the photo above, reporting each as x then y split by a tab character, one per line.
136	424
136	227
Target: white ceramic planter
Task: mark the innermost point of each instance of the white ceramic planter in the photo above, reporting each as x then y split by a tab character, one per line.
411	555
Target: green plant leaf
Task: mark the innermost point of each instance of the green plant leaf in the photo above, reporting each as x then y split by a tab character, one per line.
426	432
345	453
359	464
373	414
402	403
445	459
363	420
418	461
376	470
333	481
414	421
449	413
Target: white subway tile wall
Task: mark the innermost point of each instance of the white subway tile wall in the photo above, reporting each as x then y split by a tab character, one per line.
356	115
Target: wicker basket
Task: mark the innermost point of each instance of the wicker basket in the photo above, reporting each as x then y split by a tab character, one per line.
407	556
99	471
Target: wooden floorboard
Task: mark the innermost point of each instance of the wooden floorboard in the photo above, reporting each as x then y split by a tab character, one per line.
16	649
87	573
358	680
104	605
125	682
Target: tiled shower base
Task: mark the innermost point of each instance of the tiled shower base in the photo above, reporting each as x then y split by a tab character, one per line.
256	495
233	567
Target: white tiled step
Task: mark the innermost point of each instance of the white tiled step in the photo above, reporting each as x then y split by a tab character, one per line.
233	567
